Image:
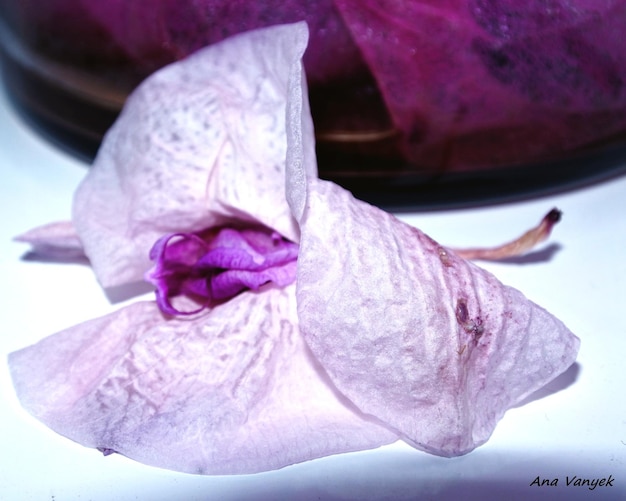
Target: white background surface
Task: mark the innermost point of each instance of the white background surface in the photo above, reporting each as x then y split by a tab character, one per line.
579	429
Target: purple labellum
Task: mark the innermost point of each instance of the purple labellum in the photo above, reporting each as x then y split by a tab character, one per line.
217	264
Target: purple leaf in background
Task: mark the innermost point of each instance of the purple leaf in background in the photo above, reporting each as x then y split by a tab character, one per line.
153	32
467	83
483	82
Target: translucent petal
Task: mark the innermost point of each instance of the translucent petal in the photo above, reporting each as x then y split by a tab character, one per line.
233	390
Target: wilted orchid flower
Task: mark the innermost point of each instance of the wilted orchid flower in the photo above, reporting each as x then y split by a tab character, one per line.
379	338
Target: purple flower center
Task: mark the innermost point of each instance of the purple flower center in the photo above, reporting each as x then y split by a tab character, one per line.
217	264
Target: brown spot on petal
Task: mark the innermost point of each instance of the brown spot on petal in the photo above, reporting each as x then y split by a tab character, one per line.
471	326
462	314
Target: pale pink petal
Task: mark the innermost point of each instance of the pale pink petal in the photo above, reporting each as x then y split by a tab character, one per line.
233	390
202	141
428	343
58	239
301	162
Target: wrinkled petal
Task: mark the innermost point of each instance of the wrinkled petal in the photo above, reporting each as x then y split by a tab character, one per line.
428	343
437	349
219	263
199	144
233	390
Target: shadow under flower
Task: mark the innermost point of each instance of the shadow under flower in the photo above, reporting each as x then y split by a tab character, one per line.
124	292
539	256
56	256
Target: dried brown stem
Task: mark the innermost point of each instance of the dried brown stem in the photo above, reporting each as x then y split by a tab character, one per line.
518	246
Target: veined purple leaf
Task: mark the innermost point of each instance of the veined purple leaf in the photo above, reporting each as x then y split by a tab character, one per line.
152	33
333	55
483	82
468	83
